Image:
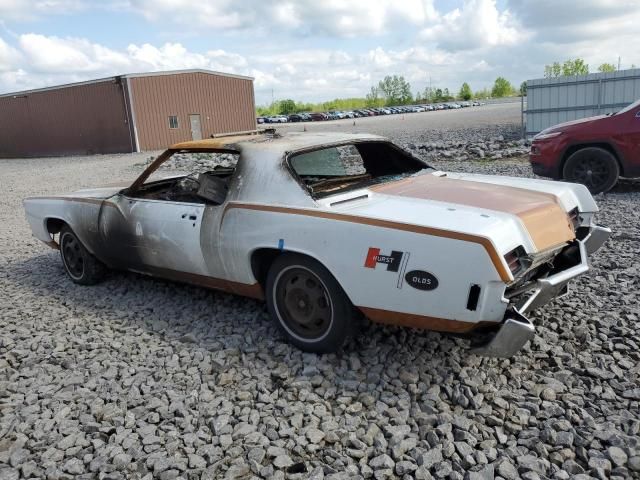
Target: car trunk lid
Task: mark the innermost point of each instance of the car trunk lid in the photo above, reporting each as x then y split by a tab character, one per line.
545	220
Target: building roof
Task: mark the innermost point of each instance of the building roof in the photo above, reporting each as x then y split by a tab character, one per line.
128	75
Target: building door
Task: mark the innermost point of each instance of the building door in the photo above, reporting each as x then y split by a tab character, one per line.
196	129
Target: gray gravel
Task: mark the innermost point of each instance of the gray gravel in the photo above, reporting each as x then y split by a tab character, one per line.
142	378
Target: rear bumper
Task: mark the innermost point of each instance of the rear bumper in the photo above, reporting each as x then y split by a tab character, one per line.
514	332
516	329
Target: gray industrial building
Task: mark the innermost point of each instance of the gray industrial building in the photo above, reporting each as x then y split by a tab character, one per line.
555	100
127	113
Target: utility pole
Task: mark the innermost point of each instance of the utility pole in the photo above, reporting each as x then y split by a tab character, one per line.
618	62
272	96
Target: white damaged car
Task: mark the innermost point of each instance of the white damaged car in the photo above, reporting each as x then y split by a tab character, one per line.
329	227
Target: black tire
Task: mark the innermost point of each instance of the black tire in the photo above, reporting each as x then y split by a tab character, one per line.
82	267
594	167
308	304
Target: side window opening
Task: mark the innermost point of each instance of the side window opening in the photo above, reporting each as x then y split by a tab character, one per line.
191	177
334	169
173	121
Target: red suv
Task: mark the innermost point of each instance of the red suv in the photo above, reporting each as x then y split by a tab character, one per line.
594	151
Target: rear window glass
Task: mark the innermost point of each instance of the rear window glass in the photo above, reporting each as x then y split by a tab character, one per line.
335	169
329	162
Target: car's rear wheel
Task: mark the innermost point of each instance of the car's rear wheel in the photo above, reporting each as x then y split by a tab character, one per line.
308	304
594	167
82	267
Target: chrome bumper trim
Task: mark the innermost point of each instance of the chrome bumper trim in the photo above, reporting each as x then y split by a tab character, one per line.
546	289
596	238
514	333
516	329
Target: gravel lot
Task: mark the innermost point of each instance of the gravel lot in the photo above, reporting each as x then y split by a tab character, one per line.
142	378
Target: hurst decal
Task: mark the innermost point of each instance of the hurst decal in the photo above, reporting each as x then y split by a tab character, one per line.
392	261
395	262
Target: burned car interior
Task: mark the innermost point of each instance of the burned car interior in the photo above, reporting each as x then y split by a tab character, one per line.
207	180
335	169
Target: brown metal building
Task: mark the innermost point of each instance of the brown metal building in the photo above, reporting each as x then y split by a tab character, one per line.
127	113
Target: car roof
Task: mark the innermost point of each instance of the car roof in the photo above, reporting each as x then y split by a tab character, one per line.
285	142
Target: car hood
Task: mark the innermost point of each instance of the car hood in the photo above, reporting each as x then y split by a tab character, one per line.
508	216
106	191
580	121
102	192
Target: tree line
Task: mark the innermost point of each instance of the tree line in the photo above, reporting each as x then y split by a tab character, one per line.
576	66
392	90
395	90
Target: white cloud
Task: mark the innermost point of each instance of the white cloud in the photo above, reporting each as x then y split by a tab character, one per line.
298	48
39	60
308	17
29	9
56	55
478	24
9	57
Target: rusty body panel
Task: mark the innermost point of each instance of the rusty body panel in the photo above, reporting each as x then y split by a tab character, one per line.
422	321
381	242
544	218
224	103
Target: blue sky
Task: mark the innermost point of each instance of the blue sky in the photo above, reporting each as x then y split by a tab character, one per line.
310	50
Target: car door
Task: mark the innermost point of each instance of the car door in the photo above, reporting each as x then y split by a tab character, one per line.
153	236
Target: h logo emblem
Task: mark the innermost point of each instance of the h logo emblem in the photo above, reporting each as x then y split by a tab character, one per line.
392	261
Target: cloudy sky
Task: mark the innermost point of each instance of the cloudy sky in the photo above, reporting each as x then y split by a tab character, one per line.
312	50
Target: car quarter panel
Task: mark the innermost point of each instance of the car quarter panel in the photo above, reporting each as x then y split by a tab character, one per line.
347	248
81	214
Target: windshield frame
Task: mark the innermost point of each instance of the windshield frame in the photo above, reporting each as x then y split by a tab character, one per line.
357	185
164	157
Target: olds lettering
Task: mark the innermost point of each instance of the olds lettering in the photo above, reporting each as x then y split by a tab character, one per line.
421	280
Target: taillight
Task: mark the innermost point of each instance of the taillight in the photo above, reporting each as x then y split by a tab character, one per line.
574	216
517	260
513	262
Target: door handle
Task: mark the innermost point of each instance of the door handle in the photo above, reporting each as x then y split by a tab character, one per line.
191	216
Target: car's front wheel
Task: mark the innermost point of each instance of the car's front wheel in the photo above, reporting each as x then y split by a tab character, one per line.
308	304
594	167
80	265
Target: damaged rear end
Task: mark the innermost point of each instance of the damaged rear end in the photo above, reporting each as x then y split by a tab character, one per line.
539	279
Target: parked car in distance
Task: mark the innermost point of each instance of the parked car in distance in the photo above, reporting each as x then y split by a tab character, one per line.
295	117
261	120
350	225
594	151
316	117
